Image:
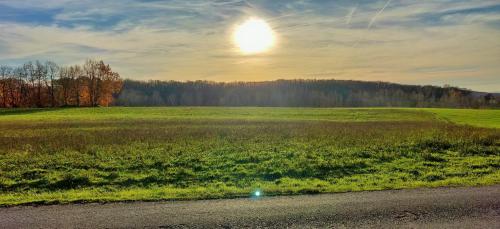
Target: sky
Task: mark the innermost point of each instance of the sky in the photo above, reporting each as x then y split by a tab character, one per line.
432	42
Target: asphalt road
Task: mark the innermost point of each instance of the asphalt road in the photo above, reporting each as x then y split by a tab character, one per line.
421	208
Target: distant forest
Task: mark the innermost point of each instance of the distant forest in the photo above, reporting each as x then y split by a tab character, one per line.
37	84
299	93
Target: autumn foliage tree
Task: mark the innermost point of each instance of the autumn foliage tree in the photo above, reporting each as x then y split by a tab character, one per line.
49	85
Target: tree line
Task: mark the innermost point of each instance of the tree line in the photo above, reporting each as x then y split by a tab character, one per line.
46	84
299	93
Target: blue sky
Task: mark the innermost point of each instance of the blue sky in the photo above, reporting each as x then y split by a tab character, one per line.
434	42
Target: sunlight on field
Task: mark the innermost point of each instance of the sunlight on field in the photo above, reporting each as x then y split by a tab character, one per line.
481	118
112	154
235	113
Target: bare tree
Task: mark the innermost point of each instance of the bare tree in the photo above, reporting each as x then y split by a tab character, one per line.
40	75
76	75
91	68
5	72
52	73
65	83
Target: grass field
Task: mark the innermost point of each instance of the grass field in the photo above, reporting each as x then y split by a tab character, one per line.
113	154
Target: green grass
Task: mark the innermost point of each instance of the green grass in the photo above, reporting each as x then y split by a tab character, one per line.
213	113
481	118
117	154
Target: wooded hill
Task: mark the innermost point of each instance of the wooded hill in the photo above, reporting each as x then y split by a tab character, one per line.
299	93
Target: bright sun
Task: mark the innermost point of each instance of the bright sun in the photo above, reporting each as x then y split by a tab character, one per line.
254	36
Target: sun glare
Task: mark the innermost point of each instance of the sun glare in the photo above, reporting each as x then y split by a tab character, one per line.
254	36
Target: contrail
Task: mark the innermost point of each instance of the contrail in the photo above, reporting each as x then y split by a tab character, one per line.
350	15
378	13
373	21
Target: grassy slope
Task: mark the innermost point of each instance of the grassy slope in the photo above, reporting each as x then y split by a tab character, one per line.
213	113
480	118
108	154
